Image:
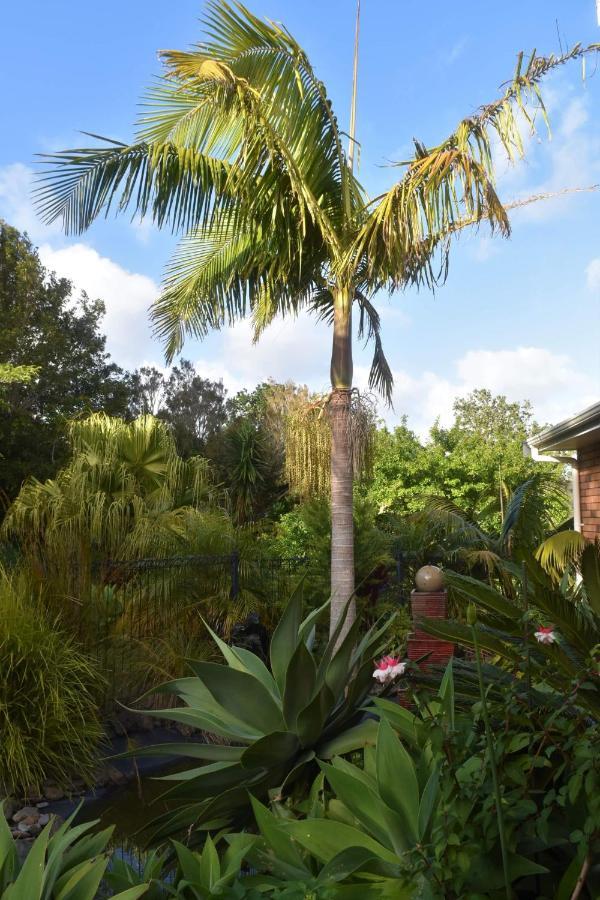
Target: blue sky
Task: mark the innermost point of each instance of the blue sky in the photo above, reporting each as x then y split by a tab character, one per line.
520	317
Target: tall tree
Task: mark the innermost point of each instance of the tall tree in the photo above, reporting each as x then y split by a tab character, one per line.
476	464
194	407
146	391
240	149
46	327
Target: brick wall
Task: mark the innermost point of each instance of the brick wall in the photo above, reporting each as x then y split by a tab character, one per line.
589	489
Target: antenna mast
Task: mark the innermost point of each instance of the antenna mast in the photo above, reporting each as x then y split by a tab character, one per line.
352	141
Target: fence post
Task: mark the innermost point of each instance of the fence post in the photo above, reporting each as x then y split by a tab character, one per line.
400	572
235	575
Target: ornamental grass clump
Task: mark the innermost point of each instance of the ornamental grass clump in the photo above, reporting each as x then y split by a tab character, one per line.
49	728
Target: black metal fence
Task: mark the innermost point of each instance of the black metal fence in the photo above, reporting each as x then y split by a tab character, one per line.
142	618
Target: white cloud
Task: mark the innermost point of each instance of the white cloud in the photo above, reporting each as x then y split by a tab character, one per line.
592	275
127	296
16	185
456	50
551	381
569	159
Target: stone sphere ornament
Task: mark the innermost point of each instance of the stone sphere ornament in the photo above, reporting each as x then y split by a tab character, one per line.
429	579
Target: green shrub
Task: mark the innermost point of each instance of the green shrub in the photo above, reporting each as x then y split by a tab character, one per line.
49	728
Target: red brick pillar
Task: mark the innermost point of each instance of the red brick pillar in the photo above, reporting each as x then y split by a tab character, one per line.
430	605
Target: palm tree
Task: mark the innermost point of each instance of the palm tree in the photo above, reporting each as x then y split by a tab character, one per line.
239	149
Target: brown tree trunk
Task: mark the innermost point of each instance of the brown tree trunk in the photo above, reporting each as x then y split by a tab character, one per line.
342	523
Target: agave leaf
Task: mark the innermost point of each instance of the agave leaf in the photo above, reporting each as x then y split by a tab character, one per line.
273	749
225	726
82	881
277	837
325	839
408	726
300	681
427	804
312	618
210	867
345	864
363	802
285	639
241	695
87	847
244	661
132	893
300	763
210	781
396	777
190	750
336	675
239	847
311	719
9	861
446	694
30	880
352	739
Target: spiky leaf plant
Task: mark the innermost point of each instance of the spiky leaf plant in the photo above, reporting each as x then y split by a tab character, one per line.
64	863
277	723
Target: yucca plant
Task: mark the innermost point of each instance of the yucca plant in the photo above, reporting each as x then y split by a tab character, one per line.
277	723
64	863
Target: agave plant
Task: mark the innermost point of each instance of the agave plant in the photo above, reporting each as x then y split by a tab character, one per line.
68	864
200	873
275	723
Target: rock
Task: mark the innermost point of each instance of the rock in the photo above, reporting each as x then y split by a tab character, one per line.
43	819
42	804
115	776
53	792
78	786
23	828
10	807
101	778
25	813
31	820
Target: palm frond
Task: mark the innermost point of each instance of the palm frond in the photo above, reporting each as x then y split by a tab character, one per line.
445	186
560	551
381	378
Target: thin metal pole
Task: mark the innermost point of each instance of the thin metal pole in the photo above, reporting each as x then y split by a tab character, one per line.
351	144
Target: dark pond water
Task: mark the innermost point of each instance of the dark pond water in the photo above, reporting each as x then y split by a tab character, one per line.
132	807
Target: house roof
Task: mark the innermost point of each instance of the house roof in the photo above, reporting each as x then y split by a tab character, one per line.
579	431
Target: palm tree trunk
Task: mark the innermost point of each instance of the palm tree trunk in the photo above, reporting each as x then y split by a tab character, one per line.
342	523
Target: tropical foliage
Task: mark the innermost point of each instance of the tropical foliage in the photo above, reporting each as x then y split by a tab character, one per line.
239	148
509	626
64	861
50	333
475	464
275	722
49	728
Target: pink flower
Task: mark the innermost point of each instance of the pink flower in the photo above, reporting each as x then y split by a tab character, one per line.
545	635
388	668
